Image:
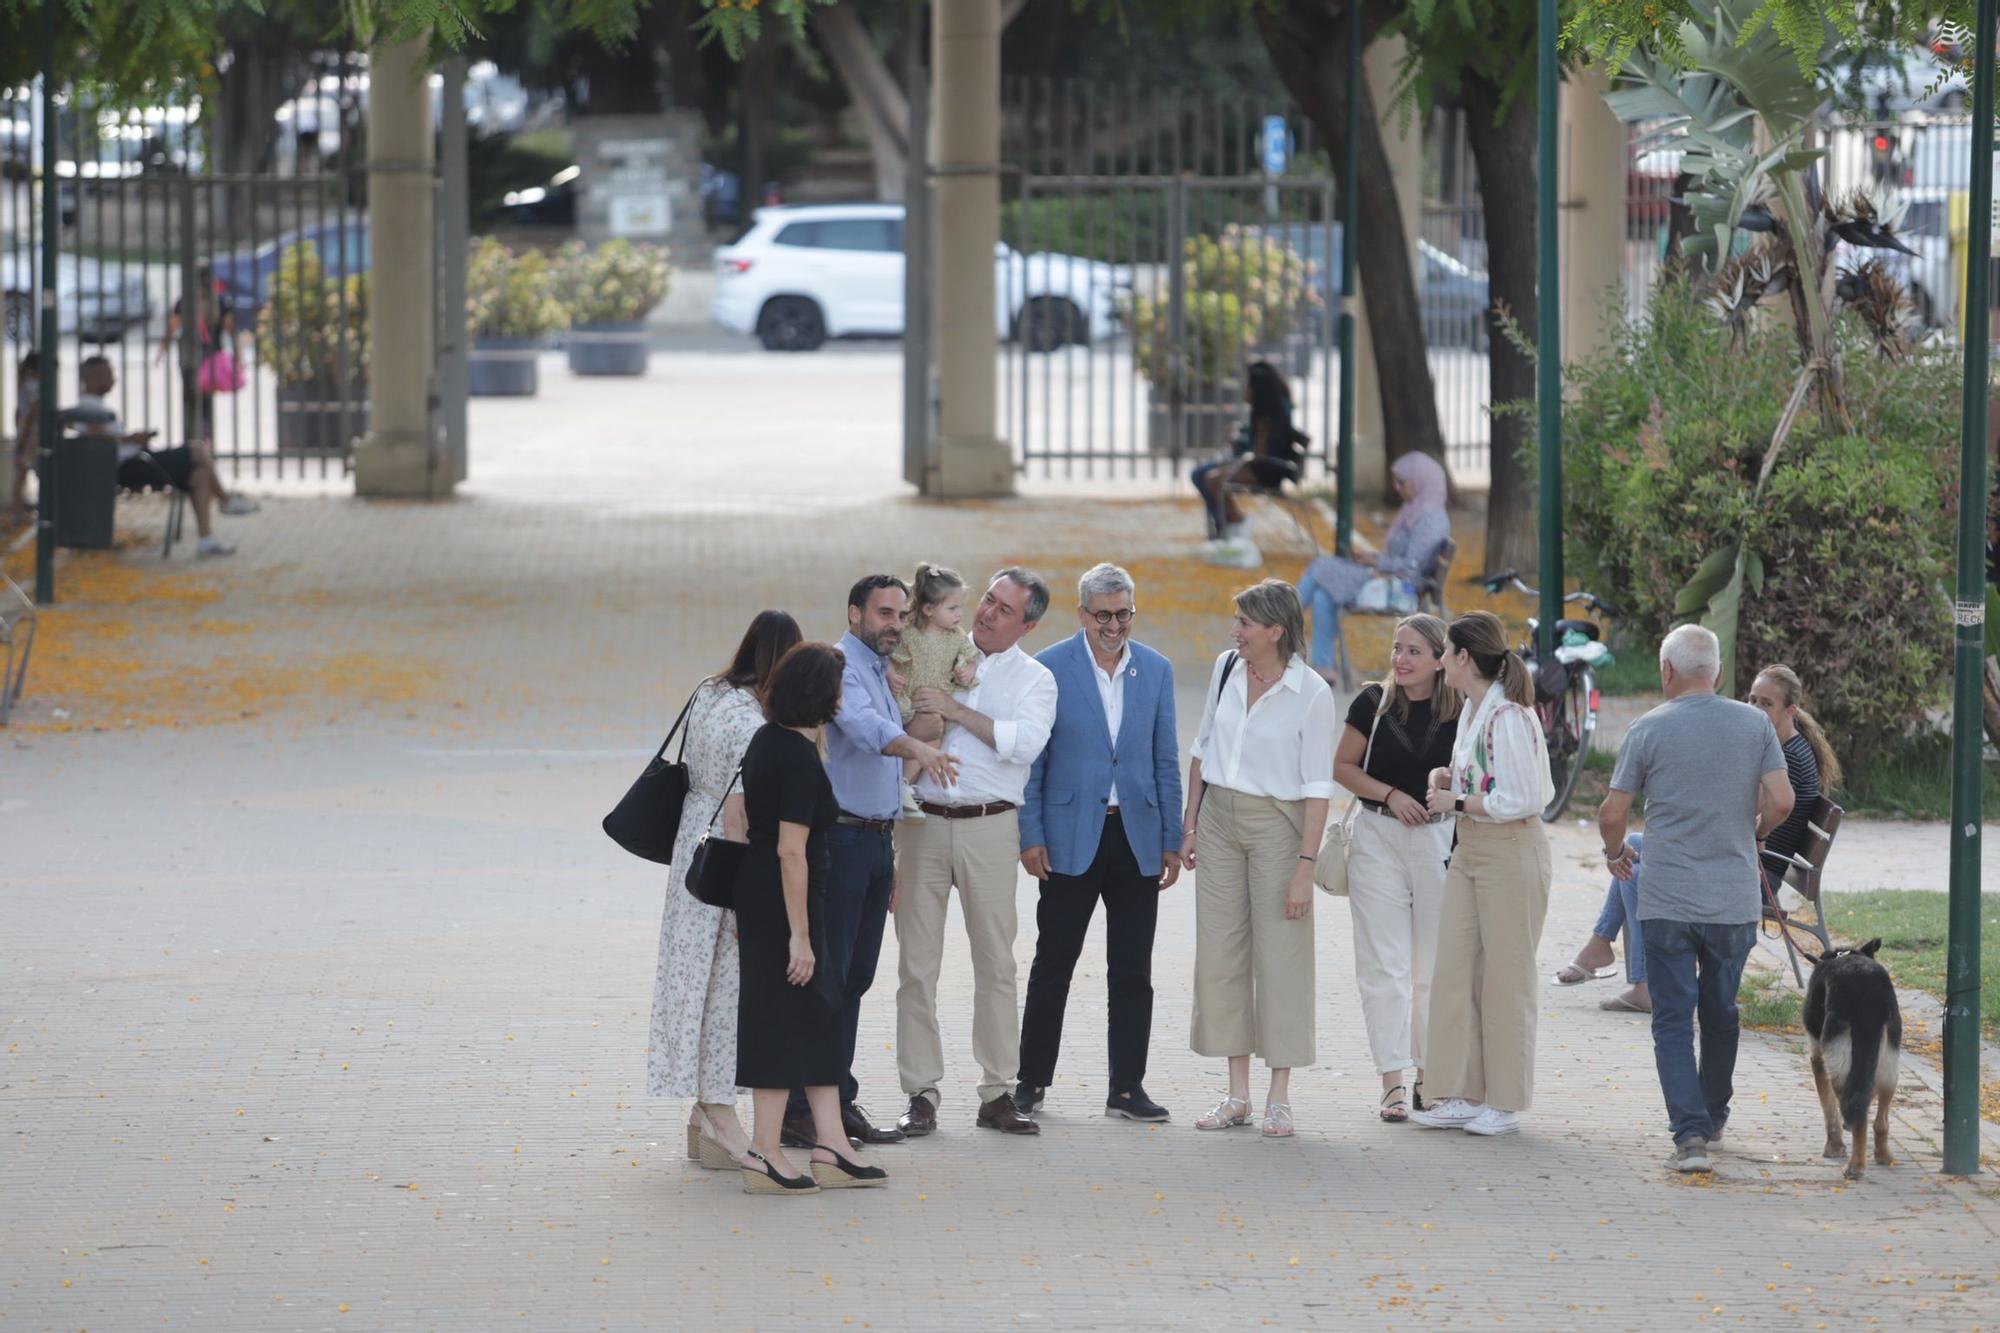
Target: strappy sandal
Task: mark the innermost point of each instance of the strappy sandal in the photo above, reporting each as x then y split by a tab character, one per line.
841	1174
1573	974
1277	1120
764	1178
705	1145
1395	1106
1226	1114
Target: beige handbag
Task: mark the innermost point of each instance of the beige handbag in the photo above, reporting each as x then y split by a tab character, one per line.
1330	870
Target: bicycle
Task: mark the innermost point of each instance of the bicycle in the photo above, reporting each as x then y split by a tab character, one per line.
1566	703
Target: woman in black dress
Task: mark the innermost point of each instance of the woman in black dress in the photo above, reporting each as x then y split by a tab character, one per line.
788	1016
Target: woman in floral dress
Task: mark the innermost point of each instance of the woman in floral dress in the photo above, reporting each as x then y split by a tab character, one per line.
693	1048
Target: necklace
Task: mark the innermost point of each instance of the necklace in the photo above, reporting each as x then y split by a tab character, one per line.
1259	676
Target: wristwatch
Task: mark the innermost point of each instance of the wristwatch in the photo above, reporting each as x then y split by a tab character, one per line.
1458	804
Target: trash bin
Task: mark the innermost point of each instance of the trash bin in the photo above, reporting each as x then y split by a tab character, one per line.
86	491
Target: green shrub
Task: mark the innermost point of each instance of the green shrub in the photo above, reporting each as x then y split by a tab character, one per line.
313	328
617	283
1116	227
509	295
1662	443
1245	291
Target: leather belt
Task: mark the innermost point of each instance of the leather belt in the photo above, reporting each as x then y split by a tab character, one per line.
883	826
1377	807
965	811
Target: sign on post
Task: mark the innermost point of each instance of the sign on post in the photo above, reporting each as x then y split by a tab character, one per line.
1277	141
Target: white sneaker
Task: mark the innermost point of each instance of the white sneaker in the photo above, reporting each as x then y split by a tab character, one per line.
209	546
239	504
1451	1113
1493	1121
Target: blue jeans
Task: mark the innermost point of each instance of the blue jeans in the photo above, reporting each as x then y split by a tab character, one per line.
1694	968
1212	503
861	873
1325	613
1621	910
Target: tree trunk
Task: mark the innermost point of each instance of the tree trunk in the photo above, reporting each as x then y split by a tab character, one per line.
260	77
872	90
1503	152
753	124
1307	43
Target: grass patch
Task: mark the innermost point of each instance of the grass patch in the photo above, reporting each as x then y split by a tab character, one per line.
1913	781
1632	671
1768	1002
1912	927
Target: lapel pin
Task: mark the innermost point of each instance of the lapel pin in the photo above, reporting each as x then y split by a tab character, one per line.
1132	671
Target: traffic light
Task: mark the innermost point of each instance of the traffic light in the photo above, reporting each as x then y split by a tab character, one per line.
1882	157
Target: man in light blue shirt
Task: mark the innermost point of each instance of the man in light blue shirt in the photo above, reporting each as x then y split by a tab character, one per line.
865	749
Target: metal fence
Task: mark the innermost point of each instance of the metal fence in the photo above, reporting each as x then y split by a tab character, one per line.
272	371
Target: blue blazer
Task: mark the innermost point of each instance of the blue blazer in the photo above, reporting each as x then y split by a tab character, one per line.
1063	809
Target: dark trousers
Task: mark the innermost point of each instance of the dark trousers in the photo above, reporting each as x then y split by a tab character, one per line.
861	874
1692	970
1131	908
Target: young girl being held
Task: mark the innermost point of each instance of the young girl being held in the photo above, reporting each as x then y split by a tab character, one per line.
936	653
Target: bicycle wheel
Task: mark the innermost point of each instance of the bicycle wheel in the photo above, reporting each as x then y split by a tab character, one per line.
1568	731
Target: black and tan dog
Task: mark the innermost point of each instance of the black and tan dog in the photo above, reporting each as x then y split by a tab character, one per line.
1855	1028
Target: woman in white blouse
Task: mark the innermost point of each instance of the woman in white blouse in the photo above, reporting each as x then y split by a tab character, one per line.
1496	893
1258	788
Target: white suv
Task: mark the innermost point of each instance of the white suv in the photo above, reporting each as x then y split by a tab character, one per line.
807	273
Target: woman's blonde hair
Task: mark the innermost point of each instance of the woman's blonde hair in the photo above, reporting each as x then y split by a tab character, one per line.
1276	602
1793	691
1445	701
1481	634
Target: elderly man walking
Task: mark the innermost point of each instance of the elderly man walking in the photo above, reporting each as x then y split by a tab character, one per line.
971	839
1101	819
1713	775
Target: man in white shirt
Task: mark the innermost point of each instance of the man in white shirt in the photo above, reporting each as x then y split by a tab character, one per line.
971	840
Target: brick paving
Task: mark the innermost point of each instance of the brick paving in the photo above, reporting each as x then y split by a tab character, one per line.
334	1015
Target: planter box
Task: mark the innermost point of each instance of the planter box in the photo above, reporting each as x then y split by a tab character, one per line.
1209	415
321	417
504	367
607	349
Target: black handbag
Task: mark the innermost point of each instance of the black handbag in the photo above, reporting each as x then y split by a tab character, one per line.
711	872
646	819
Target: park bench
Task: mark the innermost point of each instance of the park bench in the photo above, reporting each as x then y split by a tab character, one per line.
17	635
1430	600
1803	874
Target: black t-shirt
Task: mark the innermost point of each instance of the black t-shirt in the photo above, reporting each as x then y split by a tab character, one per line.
1406	748
1802	768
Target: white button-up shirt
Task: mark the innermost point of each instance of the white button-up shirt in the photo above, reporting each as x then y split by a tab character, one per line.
1111	693
1282	747
1501	756
1019	694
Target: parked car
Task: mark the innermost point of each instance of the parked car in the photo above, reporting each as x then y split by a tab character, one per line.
806	273
246	275
1451	295
95	301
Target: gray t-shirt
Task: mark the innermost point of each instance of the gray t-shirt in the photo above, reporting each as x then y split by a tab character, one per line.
1699	760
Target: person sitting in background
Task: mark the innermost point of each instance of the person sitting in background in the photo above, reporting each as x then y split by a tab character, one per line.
1620	913
27	426
1333	583
1267	450
1810	764
189	468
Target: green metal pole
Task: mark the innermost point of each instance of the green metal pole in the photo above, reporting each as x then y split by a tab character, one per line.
45	414
1961	1007
1548	329
1350	212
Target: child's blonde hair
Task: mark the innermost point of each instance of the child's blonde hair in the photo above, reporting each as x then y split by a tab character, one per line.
931	585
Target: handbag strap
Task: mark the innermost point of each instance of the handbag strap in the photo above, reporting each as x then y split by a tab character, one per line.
725	798
1368	753
680	722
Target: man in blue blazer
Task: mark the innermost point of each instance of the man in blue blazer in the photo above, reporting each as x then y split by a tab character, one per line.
1101	819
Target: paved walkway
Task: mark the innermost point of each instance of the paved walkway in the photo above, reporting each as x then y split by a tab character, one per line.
325	1001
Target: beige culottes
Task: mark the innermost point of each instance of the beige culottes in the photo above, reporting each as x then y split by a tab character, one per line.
1253	969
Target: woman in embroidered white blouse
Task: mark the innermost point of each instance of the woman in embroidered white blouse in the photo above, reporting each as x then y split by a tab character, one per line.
1496	894
1258	787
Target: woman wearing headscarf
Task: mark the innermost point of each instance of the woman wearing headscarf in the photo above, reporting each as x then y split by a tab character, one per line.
1421	527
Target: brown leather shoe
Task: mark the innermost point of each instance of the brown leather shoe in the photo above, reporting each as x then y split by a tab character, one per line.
920	1119
1002	1114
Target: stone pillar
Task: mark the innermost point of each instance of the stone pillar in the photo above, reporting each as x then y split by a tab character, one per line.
965	53
1591	220
397	459
1405	144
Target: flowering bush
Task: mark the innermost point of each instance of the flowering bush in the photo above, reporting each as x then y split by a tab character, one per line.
314	328
509	295
1245	291
617	283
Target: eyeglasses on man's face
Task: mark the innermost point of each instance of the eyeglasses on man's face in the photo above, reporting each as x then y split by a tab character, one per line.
1123	615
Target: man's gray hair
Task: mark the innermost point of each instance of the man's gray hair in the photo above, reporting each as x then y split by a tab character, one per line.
1693	652
1037	586
1103	580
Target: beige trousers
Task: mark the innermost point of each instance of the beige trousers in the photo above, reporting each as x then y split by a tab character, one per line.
980	857
1253	970
1395	889
1483	997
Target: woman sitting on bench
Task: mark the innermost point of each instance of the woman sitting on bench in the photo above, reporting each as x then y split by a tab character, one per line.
1267	449
1332	583
1809	763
